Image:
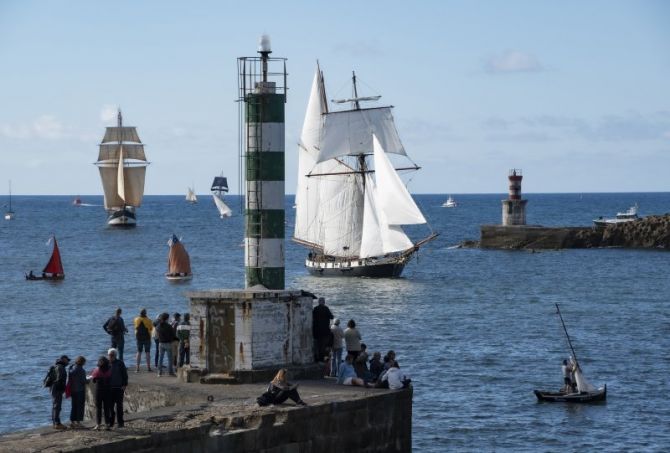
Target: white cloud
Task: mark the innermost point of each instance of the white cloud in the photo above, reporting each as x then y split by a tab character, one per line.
47	126
513	61
108	113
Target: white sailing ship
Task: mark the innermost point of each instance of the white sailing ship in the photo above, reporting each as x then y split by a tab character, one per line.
191	196
349	220
122	164
219	188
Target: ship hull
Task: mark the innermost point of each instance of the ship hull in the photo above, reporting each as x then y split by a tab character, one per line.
384	269
122	218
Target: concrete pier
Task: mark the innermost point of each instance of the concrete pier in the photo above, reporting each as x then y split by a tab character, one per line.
169	416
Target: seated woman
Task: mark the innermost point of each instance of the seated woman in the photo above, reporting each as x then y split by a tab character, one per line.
280	390
393	378
347	374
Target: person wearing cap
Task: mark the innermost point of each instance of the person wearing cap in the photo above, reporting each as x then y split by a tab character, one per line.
118	382
321	317
57	390
336	357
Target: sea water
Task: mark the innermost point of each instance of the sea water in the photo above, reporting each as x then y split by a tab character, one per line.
476	330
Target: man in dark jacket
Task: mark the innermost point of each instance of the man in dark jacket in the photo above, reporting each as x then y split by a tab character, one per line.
118	383
166	335
116	327
321	317
57	390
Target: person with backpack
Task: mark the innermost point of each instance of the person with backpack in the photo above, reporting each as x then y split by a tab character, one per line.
117	329
184	335
143	329
56	379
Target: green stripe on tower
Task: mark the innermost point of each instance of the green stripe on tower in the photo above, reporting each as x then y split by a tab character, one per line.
264	159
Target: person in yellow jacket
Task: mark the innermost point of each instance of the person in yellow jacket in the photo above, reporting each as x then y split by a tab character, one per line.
143	329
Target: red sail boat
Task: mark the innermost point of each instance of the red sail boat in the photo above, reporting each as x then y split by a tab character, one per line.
54	268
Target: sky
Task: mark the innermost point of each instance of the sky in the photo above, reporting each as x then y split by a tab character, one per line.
574	93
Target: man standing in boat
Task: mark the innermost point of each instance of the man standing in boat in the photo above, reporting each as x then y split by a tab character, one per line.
568	372
117	329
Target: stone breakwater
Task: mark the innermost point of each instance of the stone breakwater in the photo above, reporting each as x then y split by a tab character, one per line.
176	417
652	232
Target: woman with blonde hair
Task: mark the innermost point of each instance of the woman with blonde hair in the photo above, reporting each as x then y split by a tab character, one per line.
280	390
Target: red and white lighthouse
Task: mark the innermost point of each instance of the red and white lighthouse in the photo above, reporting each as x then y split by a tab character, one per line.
514	208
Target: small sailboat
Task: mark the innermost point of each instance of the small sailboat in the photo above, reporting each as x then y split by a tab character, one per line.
190	196
54	268
122	164
450	203
179	263
9	214
583	391
219	188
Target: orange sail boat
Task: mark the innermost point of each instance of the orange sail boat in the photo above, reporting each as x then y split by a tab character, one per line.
179	263
54	268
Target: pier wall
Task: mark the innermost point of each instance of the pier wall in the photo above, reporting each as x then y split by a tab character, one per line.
532	237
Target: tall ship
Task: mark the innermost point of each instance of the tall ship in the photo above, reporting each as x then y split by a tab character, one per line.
122	164
219	189
351	203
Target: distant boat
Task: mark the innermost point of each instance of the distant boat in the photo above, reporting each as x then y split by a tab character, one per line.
621	217
190	196
122	166
54	268
450	203
219	188
76	201
583	391
179	263
9	214
349	214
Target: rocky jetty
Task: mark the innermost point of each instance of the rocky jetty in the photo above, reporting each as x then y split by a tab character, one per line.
652	232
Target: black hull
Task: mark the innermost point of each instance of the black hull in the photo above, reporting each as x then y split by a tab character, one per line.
559	397
55	277
388	270
122	218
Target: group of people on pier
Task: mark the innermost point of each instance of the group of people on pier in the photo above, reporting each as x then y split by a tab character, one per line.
357	368
110	376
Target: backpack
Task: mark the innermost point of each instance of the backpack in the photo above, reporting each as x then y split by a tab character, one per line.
142	332
111	326
51	377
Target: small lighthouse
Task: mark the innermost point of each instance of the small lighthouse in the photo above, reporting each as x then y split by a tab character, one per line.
514	208
262	85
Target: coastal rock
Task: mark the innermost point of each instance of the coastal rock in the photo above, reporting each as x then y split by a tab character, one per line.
652	232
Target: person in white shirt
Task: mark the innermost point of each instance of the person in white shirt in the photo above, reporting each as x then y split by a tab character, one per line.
394	378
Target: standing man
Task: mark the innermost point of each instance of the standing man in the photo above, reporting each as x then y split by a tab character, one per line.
338	336
176	319
143	329
117	329
118	382
184	335
321	317
57	390
165	337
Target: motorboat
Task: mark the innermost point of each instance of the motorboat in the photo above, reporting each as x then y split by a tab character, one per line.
450	203
621	217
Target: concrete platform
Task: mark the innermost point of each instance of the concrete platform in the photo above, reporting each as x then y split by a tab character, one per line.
170	416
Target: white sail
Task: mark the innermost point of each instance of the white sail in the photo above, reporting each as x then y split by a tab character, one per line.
120	179
133	182
583	385
111	151
371	241
341	214
121	134
350	133
224	210
190	196
392	195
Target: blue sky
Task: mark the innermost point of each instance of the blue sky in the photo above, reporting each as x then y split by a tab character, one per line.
575	93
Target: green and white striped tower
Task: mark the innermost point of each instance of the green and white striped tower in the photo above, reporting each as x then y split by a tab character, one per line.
263	95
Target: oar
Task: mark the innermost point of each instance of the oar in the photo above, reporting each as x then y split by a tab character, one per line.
566	334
